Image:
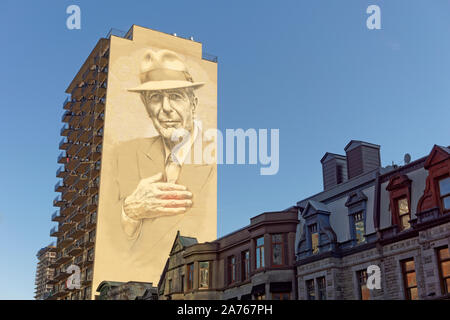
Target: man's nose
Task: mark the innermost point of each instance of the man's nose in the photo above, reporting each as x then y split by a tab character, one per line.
167	108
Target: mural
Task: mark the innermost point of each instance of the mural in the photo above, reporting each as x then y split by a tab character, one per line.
159	102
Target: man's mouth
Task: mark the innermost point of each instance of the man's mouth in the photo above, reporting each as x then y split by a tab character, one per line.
170	122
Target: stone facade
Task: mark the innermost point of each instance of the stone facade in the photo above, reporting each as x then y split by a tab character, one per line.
388	244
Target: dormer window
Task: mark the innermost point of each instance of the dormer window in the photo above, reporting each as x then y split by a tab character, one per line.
359	226
403	213
314	238
444	193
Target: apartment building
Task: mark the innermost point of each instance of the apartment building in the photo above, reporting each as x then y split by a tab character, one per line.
395	218
44	272
252	263
97	171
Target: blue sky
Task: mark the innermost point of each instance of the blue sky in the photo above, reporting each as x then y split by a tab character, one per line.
308	68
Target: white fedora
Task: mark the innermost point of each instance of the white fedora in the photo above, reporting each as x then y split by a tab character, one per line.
164	70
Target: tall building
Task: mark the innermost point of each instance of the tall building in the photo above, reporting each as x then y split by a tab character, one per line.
395	220
126	186
45	272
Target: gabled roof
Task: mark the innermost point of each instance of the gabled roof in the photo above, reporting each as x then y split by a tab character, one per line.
316	206
356	143
328	156
437	154
182	242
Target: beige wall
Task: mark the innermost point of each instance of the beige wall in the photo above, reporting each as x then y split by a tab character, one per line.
127	130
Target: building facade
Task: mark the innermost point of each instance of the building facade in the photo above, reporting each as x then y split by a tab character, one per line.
44	272
113	139
393	219
253	263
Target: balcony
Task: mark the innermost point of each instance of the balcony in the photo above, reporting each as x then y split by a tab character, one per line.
66	116
90	205
89	260
63	258
57	217
92	222
77	93
80	199
79	231
60	187
77	216
58	201
75	250
87	119
69	194
71	165
65	226
101	61
67	104
54	232
61	275
70	178
64	144
76	105
65	130
63	158
65	242
61	172
81	182
83	151
81	167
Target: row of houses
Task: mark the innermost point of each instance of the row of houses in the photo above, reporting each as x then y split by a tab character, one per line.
395	219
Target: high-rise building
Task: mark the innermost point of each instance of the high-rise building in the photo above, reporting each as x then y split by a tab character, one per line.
44	272
126	184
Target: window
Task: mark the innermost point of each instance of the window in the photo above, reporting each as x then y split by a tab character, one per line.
310	290
358	220
321	288
409	279
260	296
204	275
277	250
403	213
231	269
444	269
444	192
170	285
364	292
245	258
281	296
314	238
190	276
182	283
260	253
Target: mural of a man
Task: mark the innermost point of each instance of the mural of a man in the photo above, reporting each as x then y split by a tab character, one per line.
161	190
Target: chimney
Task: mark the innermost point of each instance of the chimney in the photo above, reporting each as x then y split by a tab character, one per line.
334	170
362	157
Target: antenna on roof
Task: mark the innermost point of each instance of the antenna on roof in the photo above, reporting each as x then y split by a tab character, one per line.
407	158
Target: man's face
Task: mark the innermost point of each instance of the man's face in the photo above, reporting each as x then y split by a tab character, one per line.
170	110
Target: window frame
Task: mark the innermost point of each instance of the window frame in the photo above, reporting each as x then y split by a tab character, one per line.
443	280
200	272
321	291
273	244
245	265
310	290
259	263
441	196
406	287
399	216
361	278
190	274
231	269
279	295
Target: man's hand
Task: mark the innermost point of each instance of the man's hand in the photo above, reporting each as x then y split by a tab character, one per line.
153	199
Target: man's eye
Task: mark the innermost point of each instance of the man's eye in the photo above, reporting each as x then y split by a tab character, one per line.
174	96
155	97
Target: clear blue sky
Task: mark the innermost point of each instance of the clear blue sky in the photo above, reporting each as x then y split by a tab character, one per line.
310	68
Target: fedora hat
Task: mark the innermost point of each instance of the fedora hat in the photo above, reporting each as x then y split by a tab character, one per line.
163	70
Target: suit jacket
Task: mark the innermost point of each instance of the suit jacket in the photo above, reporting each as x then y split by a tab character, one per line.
142	158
